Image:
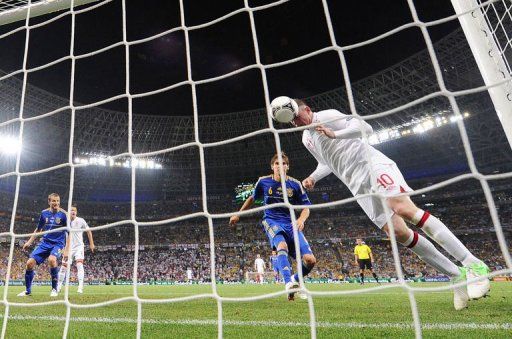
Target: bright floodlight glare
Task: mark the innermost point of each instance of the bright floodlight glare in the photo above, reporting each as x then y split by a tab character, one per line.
428	124
9	145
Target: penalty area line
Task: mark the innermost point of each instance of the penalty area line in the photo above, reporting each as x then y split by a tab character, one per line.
321	324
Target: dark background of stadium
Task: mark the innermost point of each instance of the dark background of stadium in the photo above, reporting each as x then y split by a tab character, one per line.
285	31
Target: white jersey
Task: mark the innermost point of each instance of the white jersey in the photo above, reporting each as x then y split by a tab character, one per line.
189	274
77	238
260	265
362	168
348	159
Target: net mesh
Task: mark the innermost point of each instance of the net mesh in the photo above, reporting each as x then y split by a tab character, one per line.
496	13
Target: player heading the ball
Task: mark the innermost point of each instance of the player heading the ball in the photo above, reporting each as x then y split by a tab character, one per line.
337	145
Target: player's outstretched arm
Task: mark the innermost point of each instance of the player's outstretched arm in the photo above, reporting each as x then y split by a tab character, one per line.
355	128
247	204
321	171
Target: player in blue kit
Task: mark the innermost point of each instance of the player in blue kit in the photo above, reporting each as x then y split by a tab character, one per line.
275	268
51	246
277	221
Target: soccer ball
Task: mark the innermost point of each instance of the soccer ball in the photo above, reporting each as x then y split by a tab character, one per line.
284	109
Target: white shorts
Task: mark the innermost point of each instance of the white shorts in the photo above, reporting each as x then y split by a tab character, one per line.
261	270
77	253
389	182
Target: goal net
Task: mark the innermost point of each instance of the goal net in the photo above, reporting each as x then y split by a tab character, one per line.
105	145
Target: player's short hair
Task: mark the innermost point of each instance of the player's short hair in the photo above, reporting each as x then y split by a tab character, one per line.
52	195
74	206
300	102
283	155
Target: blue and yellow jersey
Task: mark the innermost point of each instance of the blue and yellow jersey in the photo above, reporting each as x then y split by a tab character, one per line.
50	220
270	191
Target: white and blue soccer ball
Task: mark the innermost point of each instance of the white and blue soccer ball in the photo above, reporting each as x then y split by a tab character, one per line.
284	109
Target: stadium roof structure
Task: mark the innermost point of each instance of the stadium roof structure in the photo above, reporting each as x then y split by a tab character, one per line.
102	132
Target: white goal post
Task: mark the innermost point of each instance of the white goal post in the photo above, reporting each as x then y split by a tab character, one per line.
481	26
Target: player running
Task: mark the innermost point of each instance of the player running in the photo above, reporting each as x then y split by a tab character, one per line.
338	148
51	245
77	250
277	221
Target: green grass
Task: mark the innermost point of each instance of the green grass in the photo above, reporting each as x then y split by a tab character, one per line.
382	313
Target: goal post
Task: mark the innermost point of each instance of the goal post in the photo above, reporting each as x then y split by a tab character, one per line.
488	30
13	11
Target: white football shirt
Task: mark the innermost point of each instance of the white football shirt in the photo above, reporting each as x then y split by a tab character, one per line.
260	264
77	239
348	159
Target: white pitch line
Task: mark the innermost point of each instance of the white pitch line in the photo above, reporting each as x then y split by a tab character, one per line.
322	324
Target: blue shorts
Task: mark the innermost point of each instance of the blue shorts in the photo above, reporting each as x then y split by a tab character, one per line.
272	229
44	250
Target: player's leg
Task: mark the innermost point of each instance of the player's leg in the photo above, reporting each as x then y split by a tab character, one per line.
373	273
426	251
276	274
308	259
438	231
80	275
361	272
80	271
421	247
54	273
62	275
29	277
38	255
64	270
279	241
433	227
283	262
53	263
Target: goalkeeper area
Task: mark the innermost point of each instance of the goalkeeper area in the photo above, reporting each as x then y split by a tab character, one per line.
376	313
147	126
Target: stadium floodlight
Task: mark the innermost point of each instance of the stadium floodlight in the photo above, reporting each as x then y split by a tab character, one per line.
9	145
428	124
418	129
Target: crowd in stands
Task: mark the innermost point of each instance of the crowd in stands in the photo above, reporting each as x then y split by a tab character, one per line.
168	250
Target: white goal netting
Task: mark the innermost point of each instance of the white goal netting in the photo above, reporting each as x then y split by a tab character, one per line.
497	18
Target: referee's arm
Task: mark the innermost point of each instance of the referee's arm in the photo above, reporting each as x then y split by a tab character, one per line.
356	259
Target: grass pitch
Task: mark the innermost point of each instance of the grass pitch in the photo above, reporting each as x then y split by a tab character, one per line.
381	313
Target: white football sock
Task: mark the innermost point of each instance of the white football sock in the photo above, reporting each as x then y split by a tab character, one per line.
80	273
62	275
438	231
429	254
